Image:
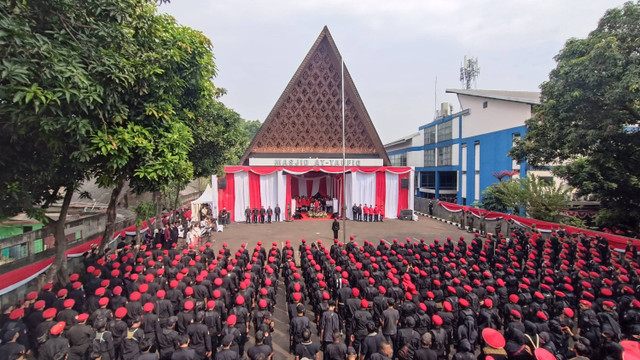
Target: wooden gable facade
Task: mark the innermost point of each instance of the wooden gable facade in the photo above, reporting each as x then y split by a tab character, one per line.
306	121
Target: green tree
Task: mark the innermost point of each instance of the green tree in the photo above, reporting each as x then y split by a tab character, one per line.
252	127
541	200
106	89
590	107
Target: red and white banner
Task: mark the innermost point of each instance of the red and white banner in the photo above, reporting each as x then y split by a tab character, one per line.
615	241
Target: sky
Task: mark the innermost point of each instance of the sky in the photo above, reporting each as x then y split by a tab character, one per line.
402	54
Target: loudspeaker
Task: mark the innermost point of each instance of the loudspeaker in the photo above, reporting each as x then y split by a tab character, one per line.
222	183
406	214
404	184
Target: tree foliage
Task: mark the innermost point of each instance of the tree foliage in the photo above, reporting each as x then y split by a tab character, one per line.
107	89
541	200
587	121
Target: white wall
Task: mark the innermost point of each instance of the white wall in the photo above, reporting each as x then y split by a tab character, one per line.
498	115
415	158
455	154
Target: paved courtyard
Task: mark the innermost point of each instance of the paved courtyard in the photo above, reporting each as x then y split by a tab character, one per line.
295	231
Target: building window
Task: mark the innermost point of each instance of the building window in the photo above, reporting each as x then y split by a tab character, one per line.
428	180
398	159
444	156
430	135
448	180
445	131
485	104
430	157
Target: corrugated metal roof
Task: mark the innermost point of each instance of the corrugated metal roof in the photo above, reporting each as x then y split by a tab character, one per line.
528	97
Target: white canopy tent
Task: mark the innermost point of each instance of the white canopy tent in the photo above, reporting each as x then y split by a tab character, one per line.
210	197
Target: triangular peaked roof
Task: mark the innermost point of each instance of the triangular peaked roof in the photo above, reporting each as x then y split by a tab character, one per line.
306	121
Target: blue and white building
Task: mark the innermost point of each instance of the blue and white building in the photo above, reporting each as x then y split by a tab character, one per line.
457	154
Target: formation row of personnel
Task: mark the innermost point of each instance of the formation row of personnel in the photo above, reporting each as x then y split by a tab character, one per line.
521	297
261	215
151	304
367	213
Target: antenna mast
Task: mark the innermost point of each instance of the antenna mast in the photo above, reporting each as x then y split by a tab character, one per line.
469	71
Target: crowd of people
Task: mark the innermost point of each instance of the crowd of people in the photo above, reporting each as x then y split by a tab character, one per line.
516	297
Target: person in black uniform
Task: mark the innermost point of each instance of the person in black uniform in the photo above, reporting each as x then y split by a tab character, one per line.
183	352
335	227
10	346
269	214
254	212
132	340
276	212
168	339
259	348
55	345
247	215
103	341
80	338
145	347
263	212
199	337
226	353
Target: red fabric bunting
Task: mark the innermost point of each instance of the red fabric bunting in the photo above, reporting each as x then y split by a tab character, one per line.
254	190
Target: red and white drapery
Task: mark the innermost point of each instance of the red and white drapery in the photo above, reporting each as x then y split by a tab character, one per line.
257	186
616	241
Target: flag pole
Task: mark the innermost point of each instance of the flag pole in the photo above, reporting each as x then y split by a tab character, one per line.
344	162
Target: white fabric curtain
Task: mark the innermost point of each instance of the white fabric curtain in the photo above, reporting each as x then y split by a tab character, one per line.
282	193
241	182
365	189
302	186
391	196
348	196
315	186
412	192
214	200
329	180
269	190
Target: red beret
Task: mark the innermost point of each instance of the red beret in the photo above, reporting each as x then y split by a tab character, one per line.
447	306
135	296
297	296
239	299
161	294
50	313
568	312
544	354
514	298
610	304
542	315
188	305
62	292
464	302
83	317
103	301
231	320
488	302
148	307
121	312
585	302
493	338
515	312
69	303
437	320
57	328
39	305
364	303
